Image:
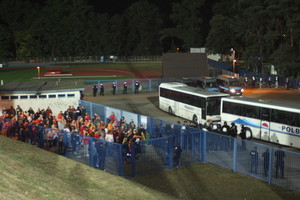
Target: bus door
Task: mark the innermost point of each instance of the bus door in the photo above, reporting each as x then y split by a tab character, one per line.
265	124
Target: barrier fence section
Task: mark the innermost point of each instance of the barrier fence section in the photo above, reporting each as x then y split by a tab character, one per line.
145	85
282	81
168	145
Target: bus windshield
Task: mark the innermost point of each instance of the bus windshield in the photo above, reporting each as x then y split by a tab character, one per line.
234	82
211	84
213	106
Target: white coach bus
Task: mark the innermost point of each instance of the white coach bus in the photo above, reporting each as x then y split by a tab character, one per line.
195	104
265	120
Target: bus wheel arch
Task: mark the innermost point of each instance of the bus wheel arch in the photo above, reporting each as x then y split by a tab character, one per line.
195	119
248	133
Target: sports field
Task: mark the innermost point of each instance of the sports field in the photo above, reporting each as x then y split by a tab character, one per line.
101	71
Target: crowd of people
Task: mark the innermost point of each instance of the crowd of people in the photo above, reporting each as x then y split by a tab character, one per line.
18	122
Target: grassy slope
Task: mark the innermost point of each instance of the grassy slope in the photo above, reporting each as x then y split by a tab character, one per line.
28	74
28	172
206	181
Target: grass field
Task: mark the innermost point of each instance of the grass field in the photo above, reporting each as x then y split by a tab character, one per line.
28	172
24	75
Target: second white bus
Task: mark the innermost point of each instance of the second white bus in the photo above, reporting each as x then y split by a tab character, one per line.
195	104
265	120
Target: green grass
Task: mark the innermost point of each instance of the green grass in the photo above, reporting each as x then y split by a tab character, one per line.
21	75
25	75
28	172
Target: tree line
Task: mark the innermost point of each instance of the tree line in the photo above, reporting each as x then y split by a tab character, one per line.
260	31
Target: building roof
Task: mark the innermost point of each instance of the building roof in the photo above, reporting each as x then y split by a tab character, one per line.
42	85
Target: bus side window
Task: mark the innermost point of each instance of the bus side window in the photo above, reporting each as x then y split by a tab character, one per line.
265	114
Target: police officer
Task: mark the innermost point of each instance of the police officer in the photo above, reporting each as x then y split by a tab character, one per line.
260	82
246	82
233	130
176	155
253	82
136	88
114	88
225	131
101	89
243	136
270	81
95	89
276	81
254	160
125	88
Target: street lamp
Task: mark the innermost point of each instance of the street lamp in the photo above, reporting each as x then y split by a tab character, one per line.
39	71
233	65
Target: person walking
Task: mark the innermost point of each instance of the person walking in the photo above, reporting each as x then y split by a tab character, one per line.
125	88
254	160
101	89
114	88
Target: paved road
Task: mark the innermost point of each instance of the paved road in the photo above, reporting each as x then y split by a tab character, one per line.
147	103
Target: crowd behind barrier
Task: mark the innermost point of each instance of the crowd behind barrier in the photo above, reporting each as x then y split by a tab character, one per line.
129	144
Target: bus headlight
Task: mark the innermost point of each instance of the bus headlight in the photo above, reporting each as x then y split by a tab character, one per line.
242	90
232	90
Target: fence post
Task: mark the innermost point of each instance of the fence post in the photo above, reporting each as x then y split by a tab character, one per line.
138	121
203	146
151	127
132	160
132	85
150	85
105	112
270	165
91	110
234	154
170	151
116	81
65	142
91	141
121	171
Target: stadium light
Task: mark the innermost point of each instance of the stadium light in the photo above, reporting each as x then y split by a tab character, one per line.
38	68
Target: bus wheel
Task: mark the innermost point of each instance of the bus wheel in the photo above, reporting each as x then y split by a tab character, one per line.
170	111
248	133
195	119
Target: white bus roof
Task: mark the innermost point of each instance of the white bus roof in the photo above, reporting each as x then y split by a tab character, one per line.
180	87
226	77
264	103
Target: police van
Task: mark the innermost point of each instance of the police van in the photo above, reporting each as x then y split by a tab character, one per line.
207	83
230	85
